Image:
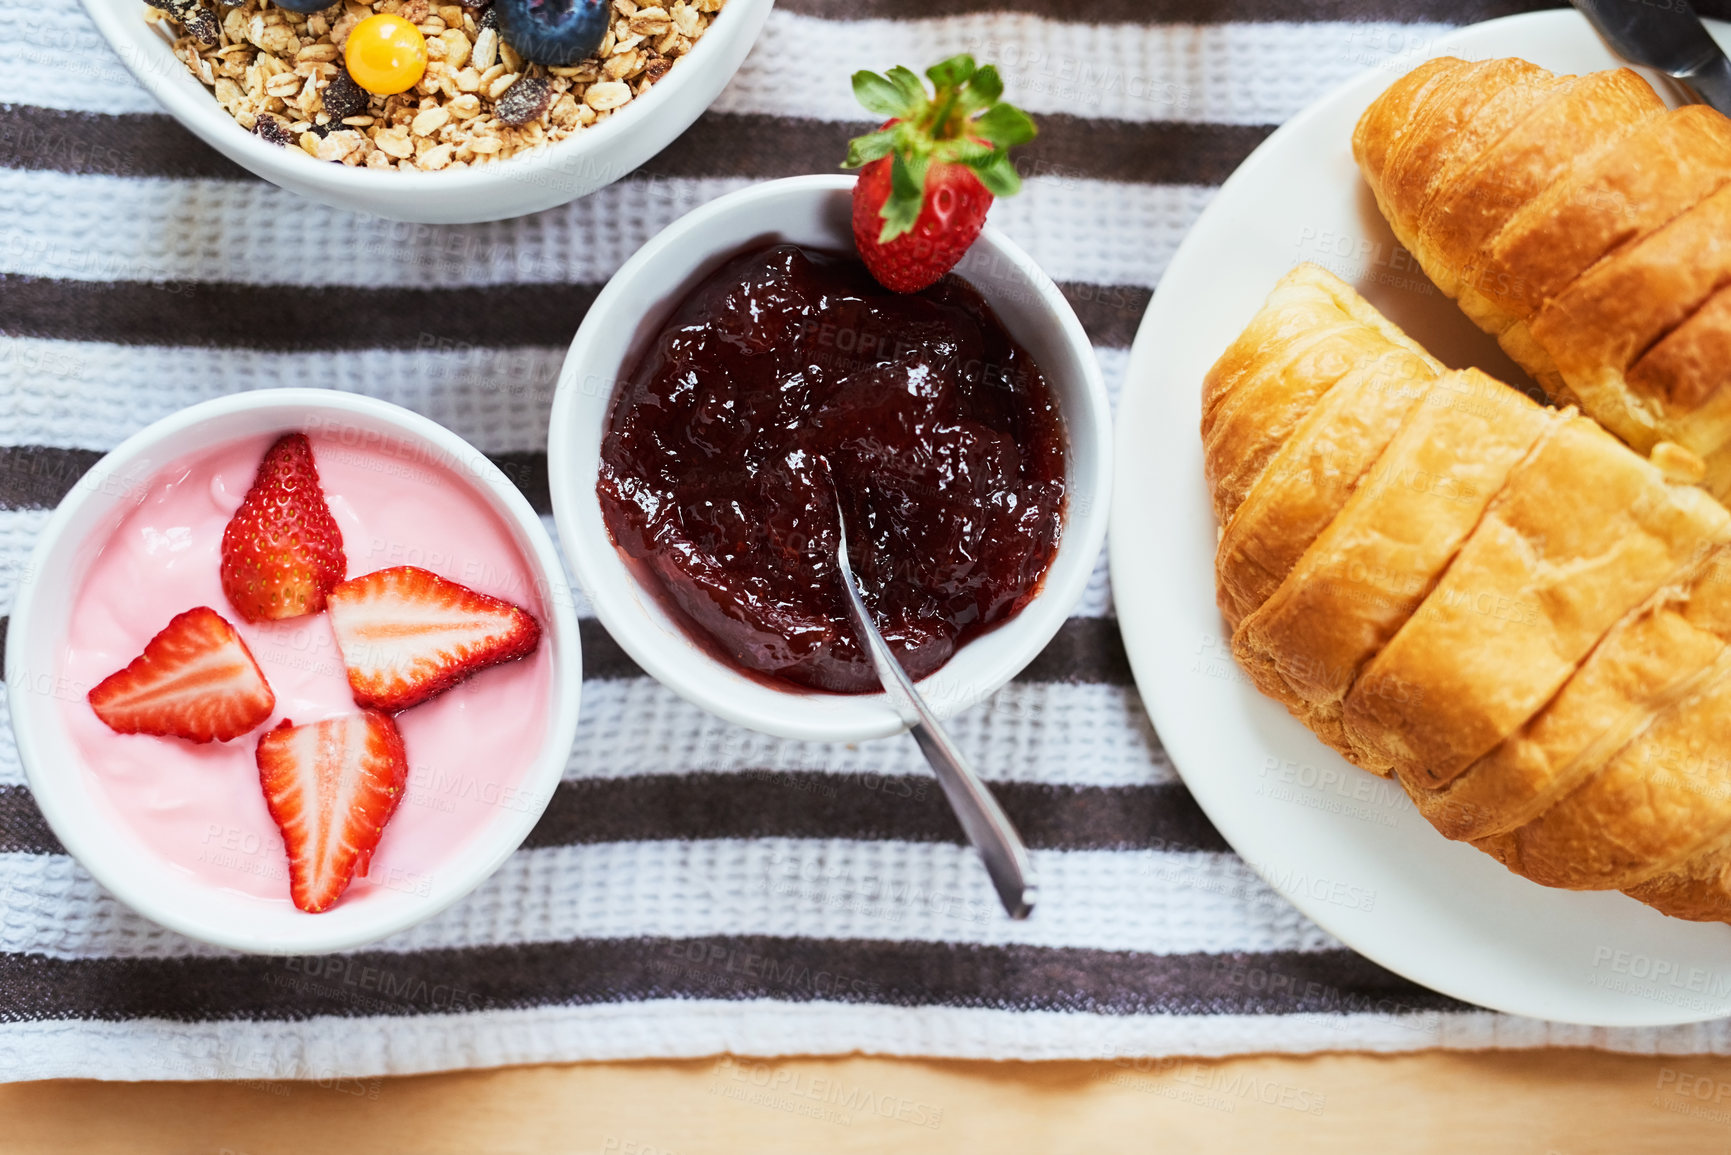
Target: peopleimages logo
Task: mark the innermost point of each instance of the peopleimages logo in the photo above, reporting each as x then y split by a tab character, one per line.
1205	1084
1333	790
815	1096
1660	979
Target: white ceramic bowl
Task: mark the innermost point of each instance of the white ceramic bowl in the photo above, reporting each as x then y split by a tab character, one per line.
86	825
582	163
813	210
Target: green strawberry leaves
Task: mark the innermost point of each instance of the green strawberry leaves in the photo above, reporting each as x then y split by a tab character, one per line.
961	121
952	73
879	94
1004	125
907	195
862	150
1000	176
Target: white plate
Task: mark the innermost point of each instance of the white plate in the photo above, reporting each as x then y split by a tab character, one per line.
1345	847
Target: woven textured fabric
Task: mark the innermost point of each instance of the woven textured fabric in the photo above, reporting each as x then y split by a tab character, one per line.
694	887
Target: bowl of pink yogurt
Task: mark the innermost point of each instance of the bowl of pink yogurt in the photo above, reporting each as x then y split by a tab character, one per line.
181	832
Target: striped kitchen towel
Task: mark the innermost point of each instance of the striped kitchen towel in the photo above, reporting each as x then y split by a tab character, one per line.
694	888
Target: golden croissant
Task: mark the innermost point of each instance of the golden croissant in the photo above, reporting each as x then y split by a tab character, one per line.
1586	227
1524	620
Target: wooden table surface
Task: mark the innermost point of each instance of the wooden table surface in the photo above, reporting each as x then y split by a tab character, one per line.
1556	1102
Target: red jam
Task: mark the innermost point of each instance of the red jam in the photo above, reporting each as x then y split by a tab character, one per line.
940	436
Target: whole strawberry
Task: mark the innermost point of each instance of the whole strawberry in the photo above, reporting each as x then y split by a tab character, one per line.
930	173
282	551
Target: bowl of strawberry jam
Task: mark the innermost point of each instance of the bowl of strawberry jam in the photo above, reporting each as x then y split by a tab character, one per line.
742	375
293	670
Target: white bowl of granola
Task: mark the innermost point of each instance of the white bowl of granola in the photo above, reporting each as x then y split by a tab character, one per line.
443	152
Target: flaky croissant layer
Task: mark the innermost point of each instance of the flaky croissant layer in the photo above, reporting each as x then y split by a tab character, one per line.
1525	621
1582	224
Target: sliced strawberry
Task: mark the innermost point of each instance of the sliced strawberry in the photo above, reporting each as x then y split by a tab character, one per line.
195	680
282	551
929	174
331	786
407	634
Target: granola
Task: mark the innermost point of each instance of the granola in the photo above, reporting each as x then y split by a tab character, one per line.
280	74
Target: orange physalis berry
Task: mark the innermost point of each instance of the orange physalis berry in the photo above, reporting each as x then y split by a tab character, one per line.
386	54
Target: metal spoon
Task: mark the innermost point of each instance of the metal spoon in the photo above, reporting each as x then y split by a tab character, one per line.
981	817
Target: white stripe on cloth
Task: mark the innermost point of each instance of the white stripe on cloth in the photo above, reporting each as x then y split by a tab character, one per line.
1231	73
105	228
327	1048
19	529
94	395
51	55
1148	901
1051	733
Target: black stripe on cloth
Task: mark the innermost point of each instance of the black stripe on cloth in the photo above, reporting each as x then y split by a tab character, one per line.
589	972
719	144
23	830
760	146
858	805
292	318
604	659
39	476
302	318
147	144
1085	651
865	805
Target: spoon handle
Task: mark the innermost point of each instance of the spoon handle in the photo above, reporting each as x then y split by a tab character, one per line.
982	819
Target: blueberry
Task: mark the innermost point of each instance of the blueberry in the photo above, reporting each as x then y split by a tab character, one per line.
305	7
553	32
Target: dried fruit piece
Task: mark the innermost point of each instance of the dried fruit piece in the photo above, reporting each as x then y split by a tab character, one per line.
273	129
195	680
344	98
523	101
200	22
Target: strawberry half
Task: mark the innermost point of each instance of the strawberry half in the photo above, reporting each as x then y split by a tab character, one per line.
282	551
195	680
407	634
331	786
928	176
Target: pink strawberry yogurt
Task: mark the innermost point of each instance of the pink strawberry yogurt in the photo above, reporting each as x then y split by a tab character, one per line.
201	807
